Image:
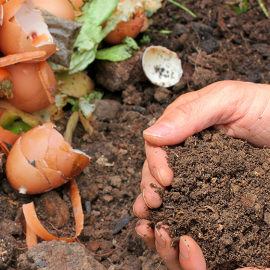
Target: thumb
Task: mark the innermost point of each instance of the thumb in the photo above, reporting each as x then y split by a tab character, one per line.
215	106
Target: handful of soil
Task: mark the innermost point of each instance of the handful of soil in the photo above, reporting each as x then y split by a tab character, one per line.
220	196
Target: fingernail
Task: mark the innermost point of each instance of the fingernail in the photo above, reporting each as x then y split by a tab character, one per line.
145	200
134	212
184	248
142	236
160	129
159	239
156	174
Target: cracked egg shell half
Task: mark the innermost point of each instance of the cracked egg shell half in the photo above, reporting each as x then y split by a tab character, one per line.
28	91
42	160
24	30
162	66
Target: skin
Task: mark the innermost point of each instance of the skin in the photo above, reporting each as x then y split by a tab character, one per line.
240	109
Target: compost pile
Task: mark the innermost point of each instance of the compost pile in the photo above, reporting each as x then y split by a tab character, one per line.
220	197
218	44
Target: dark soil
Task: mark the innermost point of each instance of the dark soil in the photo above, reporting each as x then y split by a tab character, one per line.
219	44
220	197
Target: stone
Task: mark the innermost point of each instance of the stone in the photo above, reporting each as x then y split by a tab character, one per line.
58	255
10	227
54	209
162	94
106	109
116	76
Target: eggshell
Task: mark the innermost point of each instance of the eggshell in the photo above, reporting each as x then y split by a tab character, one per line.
54	177
41	160
59	8
162	66
69	162
8	136
23	176
41	134
131	29
13	39
29	94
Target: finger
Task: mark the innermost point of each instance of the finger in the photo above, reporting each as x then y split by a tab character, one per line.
151	189
186	98
190	254
140	209
216	106
146	233
158	164
168	253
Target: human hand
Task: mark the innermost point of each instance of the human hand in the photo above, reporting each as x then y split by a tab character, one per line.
240	109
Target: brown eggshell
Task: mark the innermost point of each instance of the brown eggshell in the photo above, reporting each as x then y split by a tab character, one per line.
23	176
54	177
13	39
67	161
8	136
29	94
40	135
59	8
41	160
131	29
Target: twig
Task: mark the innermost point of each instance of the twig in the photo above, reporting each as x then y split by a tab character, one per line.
263	8
184	8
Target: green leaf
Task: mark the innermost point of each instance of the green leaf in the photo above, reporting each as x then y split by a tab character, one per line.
119	52
145	39
98	11
240	9
18	126
85	48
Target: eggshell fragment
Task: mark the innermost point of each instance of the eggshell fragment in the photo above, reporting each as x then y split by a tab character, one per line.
131	29
8	136
28	90
34	226
22	175
59	8
162	66
41	160
24	30
69	162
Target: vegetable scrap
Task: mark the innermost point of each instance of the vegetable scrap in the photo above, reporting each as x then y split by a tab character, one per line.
42	69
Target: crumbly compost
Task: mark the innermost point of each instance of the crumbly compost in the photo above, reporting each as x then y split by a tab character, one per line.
220	196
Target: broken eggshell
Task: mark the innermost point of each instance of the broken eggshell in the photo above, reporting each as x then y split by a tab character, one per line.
42	160
29	94
24	30
59	8
162	66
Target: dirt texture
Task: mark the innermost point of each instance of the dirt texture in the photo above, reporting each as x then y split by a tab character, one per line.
218	44
220	197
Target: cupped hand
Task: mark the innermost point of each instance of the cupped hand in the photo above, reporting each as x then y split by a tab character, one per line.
241	109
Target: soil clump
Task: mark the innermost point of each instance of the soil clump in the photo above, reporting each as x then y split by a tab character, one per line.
220	197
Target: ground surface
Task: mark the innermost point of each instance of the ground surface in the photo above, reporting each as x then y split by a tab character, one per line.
220	197
219	44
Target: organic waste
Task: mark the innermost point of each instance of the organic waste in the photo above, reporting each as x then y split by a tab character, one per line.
218	44
33	41
31	172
